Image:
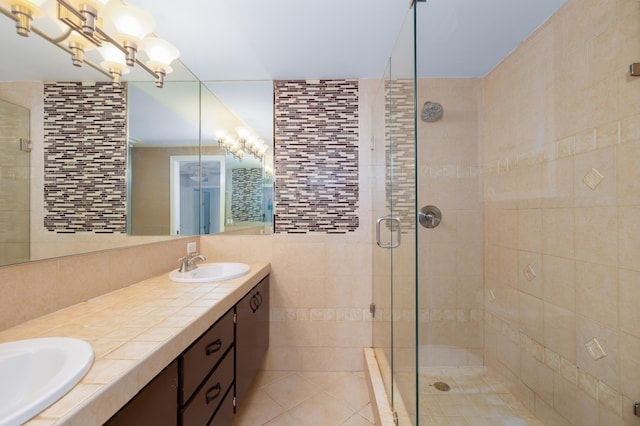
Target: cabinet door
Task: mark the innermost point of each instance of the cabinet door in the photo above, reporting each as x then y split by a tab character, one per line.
155	404
252	335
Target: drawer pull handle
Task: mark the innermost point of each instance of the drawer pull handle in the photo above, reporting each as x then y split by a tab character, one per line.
214	347
216	392
253	303
259	299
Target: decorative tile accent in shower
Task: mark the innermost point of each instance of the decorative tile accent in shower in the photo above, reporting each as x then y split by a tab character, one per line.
400	155
85	147
548	362
246	195
316	161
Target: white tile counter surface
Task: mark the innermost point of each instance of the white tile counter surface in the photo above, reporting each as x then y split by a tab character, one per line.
135	332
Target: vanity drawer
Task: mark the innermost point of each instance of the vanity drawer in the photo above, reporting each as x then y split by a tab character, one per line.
200	358
205	402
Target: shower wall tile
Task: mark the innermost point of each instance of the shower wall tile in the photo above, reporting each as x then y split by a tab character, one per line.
597	293
450	256
628	173
560	331
536	157
559	281
629	296
557	232
529	227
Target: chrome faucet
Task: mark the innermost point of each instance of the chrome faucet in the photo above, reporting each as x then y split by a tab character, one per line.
188	262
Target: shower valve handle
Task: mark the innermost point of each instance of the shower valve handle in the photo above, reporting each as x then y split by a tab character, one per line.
429	216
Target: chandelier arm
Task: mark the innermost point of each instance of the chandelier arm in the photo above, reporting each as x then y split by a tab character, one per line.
62	36
8	13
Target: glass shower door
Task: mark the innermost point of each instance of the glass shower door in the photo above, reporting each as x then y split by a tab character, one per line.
394	275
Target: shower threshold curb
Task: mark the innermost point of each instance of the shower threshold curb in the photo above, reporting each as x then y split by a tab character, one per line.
379	402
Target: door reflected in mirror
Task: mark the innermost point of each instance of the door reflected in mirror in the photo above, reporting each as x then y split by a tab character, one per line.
176	187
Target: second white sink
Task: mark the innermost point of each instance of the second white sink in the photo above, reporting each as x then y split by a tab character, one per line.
207	272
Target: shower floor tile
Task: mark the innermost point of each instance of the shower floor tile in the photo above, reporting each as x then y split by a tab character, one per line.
476	397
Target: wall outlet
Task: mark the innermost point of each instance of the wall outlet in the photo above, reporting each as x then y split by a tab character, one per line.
192	247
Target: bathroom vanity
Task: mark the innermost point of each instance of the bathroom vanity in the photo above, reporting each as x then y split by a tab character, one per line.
207	381
164	352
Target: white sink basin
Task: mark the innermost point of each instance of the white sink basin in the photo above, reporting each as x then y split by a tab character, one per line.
207	272
35	373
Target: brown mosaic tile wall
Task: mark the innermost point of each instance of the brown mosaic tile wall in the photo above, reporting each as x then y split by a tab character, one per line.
401	152
316	156
246	195
85	148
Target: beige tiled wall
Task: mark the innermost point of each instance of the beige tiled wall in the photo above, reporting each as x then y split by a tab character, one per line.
561	257
37	288
320	284
450	255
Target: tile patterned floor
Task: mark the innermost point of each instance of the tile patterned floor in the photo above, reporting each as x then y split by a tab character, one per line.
477	398
279	398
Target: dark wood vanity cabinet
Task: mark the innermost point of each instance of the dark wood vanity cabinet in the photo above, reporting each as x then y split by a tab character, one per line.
205	384
155	404
252	335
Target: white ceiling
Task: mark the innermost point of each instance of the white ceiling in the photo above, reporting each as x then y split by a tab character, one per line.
282	39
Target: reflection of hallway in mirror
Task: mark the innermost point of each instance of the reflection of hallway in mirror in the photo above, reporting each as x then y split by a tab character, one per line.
206	210
197	194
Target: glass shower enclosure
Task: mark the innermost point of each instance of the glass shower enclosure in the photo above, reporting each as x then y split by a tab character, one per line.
394	205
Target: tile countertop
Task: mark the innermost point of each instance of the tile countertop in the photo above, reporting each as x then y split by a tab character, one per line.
135	332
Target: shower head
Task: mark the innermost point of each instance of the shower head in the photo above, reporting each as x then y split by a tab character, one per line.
432	111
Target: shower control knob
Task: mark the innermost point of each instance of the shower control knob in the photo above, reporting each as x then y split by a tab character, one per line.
429	216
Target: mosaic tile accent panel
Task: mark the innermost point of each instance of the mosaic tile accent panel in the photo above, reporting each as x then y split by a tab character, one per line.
401	152
316	156
85	149
246	195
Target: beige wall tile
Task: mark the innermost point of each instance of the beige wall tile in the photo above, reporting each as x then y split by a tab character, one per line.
596	235
558	232
560	331
559	281
530	274
629	290
597	293
628	237
531	316
630	365
605	194
628	173
605	369
529	230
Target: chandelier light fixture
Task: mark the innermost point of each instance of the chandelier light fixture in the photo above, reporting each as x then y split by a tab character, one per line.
243	142
118	30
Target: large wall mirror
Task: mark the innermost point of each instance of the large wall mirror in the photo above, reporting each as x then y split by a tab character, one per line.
176	163
186	177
